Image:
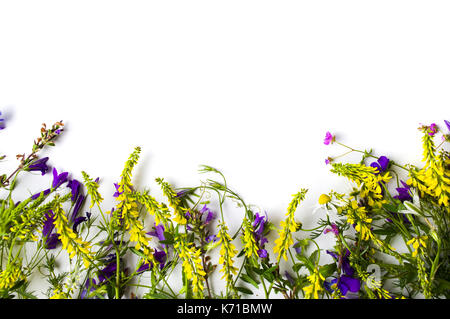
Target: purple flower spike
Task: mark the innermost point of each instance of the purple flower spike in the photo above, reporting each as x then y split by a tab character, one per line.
75	187
39	165
158	232
403	192
77	206
59	179
329	139
50	240
46	192
447	123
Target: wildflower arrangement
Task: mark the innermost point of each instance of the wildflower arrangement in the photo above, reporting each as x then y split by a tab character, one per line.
390	234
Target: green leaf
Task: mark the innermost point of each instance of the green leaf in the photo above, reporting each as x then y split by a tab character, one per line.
244	290
250	280
328	270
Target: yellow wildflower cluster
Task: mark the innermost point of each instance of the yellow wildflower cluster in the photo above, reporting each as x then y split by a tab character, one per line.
433	179
192	263
11	275
366	177
159	210
92	190
127	213
417	242
69	239
174	202
248	238
358	215
288	227
316	279
227	253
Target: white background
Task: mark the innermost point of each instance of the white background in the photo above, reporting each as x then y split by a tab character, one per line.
249	87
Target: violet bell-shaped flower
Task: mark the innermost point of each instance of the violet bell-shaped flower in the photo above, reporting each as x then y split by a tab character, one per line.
59	179
38	165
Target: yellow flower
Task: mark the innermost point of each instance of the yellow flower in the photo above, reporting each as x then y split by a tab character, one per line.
288	227
324	199
192	263
227	253
11	275
416	242
316	279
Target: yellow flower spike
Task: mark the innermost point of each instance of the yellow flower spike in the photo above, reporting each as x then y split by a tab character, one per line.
288	227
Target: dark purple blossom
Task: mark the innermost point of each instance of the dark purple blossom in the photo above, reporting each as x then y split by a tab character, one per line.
77	222
46	192
403	192
210	215
346	281
107	272
447	123
117	193
39	165
344	284
382	164
51	240
75	187
262	253
59	179
77	206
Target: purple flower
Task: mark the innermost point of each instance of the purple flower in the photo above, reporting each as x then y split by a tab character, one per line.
89	287
344	284
334	229
329	139
298	248
432	129
258	226
447	123
262	253
345	262
211	238
210	214
59	179
382	164
46	192
158	232
160	257
108	271
50	240
75	187
78	221
77	206
117	193
403	192
39	165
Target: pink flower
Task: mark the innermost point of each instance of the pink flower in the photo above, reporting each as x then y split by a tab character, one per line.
329	139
